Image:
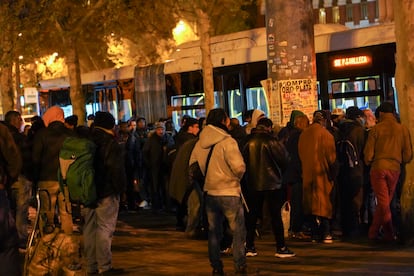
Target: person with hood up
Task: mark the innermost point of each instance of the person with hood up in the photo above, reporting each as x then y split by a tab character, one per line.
222	186
286	131
317	153
46	146
256	115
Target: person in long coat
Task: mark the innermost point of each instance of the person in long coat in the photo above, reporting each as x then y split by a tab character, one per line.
317	154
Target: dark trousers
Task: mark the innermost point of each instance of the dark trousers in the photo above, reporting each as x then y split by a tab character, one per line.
255	201
296	213
351	203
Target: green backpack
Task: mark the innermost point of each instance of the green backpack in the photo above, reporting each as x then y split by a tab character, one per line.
76	170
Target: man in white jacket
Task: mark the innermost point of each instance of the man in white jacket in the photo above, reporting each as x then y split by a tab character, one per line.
222	186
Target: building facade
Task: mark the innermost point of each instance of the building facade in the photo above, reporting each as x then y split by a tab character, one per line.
353	13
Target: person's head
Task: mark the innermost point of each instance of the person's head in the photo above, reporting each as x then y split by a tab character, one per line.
123	127
37	123
91	118
320	117
191	126
301	122
265	124
355	114
141	123
132	124
370	118
337	115
247	115
256	116
184	119
234	123
169	126
385	107
159	128
71	122
293	116
218	118
53	114
104	120
14	118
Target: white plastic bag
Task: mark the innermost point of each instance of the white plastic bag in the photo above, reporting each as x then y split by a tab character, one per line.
285	212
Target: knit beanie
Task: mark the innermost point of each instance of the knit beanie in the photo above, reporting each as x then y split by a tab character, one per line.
54	113
159	125
104	120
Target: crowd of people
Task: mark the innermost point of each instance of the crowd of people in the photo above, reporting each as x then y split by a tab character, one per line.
340	173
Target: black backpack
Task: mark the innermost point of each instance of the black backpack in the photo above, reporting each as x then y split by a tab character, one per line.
346	154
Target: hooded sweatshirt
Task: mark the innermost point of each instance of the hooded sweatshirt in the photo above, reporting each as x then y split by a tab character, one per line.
226	166
256	116
54	113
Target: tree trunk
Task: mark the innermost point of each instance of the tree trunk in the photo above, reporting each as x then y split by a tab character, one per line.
203	24
291	58
404	76
77	96
6	87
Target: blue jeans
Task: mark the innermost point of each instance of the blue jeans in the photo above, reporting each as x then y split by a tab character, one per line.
218	209
98	231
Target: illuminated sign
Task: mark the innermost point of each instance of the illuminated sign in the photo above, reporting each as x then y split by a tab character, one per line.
351	61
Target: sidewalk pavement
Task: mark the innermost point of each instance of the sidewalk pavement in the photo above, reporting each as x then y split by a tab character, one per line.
148	244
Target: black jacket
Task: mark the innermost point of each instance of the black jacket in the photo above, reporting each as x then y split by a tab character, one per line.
293	172
47	144
110	176
266	160
25	147
354	132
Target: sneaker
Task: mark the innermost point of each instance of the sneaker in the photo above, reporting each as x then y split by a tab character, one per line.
144	204
327	239
218	272
251	252
284	253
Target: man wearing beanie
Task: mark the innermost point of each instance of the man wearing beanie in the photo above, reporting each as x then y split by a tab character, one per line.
388	147
46	146
110	180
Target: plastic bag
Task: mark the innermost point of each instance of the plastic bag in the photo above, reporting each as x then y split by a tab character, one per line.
285	212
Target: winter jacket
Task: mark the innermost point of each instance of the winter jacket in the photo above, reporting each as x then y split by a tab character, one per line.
110	177
388	144
226	166
47	144
10	159
266	160
353	131
317	153
293	172
25	148
179	181
182	137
